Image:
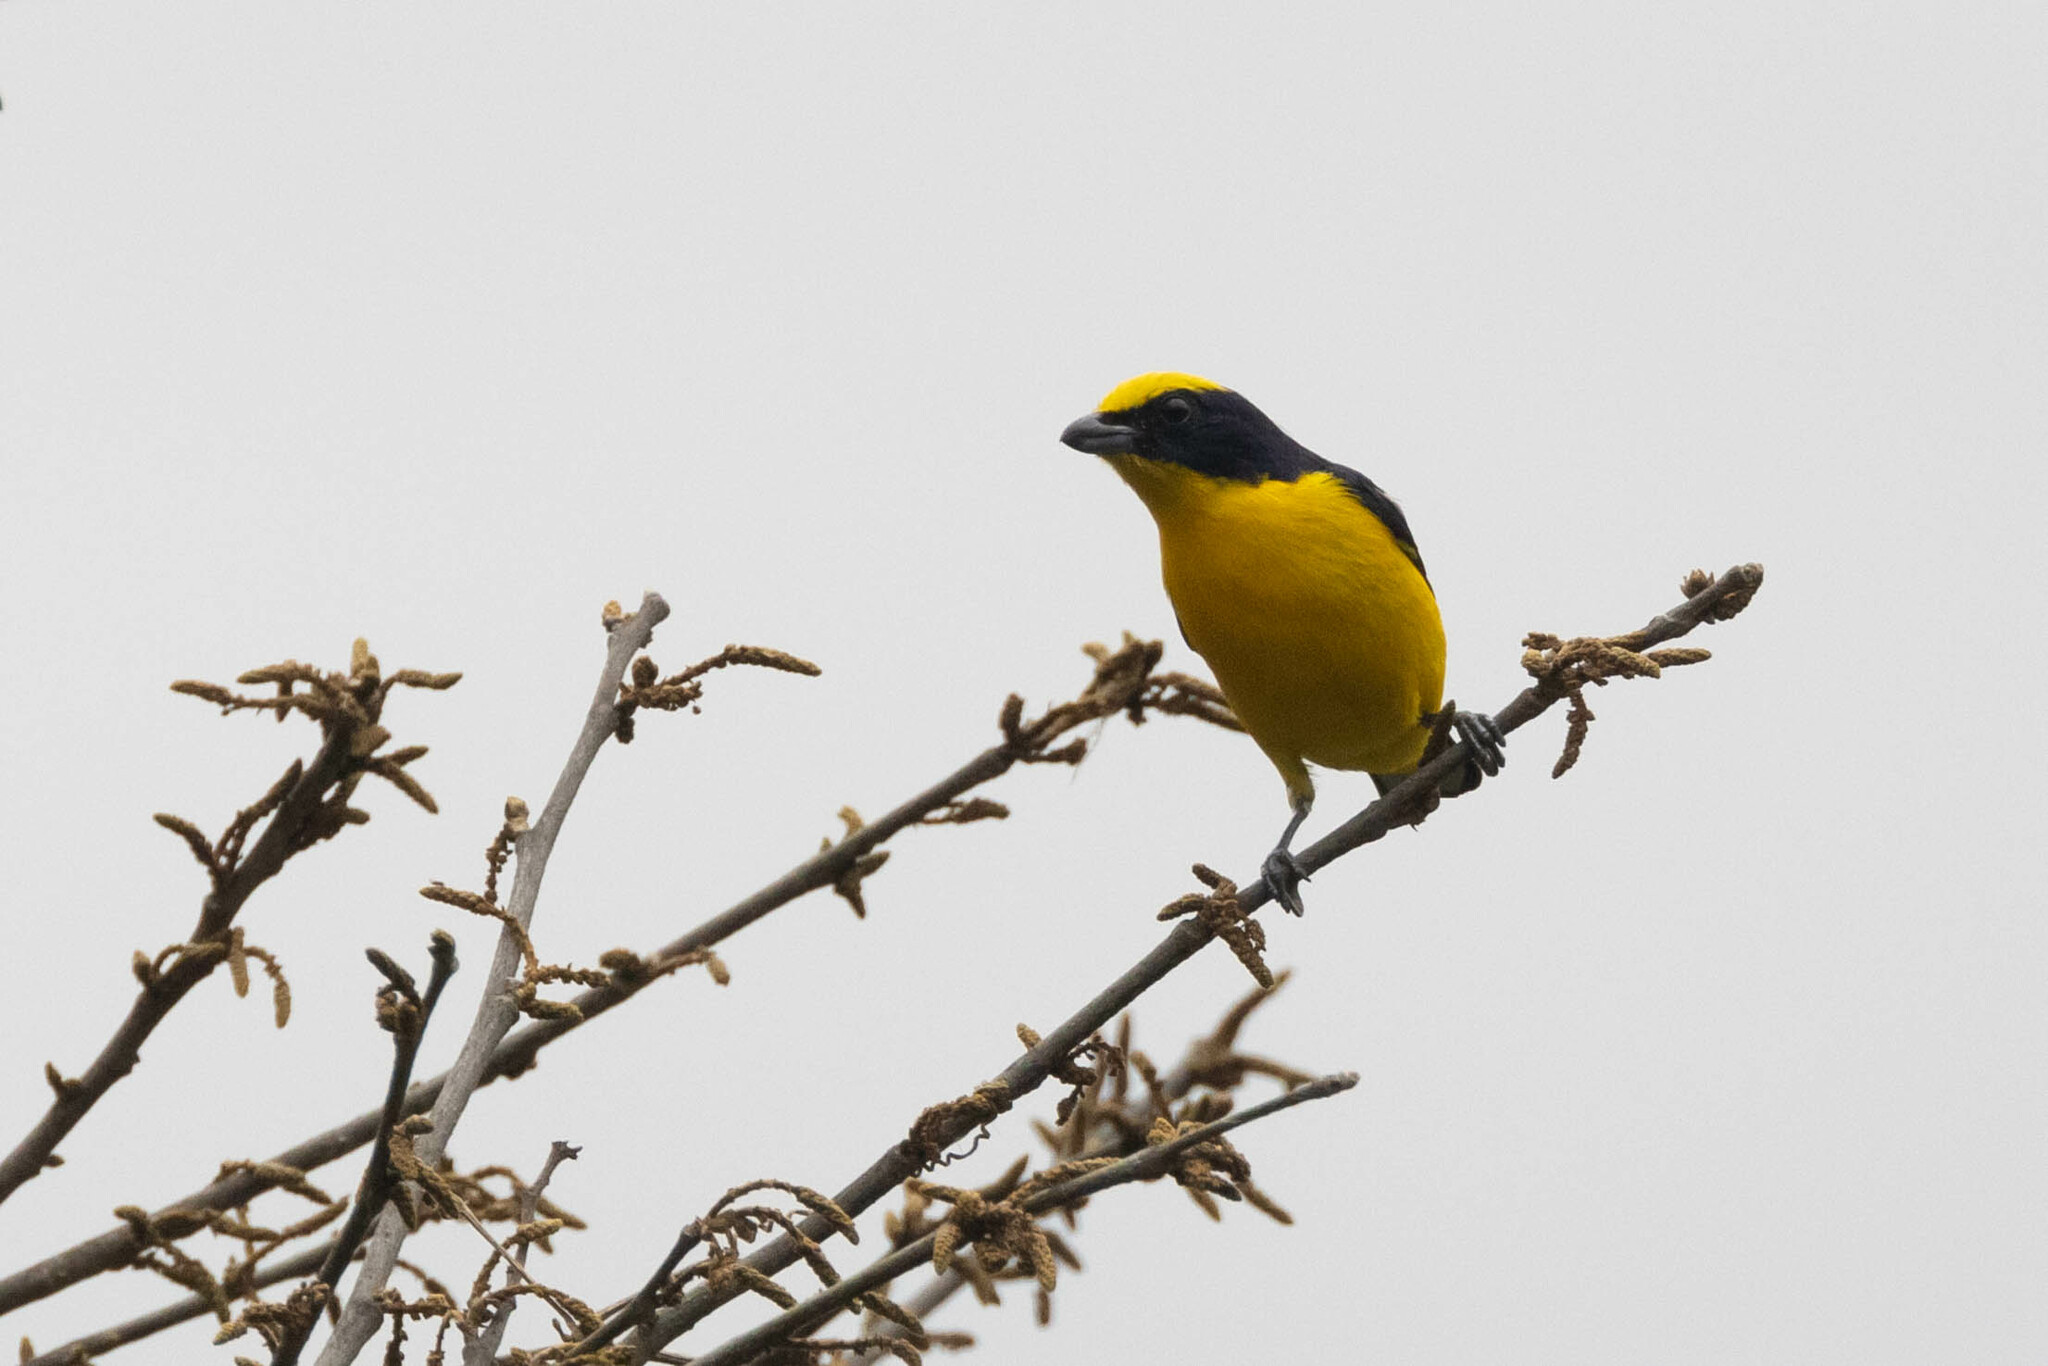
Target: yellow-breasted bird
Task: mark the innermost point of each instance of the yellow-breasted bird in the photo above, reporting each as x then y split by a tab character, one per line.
1297	580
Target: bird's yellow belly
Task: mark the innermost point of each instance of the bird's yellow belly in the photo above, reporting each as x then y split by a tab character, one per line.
1322	633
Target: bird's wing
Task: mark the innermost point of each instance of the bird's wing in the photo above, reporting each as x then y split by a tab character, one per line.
1379	505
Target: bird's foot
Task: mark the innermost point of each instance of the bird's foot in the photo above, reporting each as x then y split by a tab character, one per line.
1483	738
1283	876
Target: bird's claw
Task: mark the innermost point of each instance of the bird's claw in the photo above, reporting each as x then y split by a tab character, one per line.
1283	876
1483	739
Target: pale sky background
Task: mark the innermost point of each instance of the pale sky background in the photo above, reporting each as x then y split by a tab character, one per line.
443	325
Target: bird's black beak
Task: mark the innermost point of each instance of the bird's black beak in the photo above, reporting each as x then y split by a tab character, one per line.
1097	436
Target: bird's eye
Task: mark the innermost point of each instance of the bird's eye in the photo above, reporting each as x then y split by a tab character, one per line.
1176	411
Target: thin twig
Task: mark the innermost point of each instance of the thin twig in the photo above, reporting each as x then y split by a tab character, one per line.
483	1349
515	1265
1139	1166
410	1021
496	1012
640	1309
1396	809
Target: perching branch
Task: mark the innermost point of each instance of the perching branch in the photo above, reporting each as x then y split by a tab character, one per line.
496	1013
1125	681
1405	805
308	804
1150	1163
1561	673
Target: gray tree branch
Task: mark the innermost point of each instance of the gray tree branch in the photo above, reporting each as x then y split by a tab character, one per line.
496	1012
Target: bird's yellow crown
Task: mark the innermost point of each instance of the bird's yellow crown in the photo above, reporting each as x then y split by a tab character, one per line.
1137	392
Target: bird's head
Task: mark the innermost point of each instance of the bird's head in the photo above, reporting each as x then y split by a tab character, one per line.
1187	422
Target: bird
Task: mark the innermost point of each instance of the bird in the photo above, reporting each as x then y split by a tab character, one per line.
1298	581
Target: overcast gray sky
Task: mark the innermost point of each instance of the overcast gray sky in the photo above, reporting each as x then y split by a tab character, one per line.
443	325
